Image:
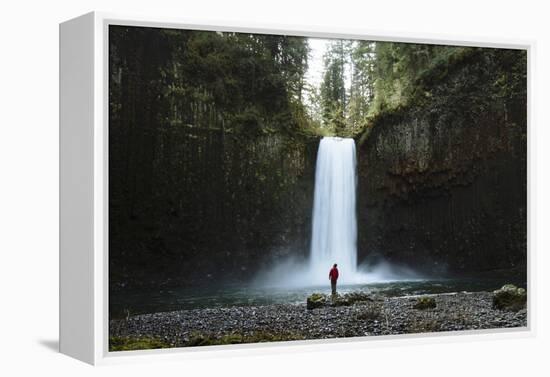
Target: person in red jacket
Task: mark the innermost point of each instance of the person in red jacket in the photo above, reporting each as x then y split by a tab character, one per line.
333	277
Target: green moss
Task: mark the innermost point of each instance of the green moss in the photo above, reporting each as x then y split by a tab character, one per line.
316	296
316	300
425	303
319	300
510	297
133	344
198	339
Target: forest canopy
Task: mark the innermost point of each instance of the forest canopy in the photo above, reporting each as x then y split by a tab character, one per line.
259	83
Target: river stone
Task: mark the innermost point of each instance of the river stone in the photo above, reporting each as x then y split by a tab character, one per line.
291	321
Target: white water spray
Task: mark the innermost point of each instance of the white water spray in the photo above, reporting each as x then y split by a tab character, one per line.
334	230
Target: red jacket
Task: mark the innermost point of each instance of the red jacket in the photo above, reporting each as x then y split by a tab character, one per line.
333	274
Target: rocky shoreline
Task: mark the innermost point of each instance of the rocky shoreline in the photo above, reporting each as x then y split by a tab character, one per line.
379	316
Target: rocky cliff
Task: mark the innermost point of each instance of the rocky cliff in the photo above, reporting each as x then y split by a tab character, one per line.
215	206
442	181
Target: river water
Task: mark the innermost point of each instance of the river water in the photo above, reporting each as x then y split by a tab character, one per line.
161	300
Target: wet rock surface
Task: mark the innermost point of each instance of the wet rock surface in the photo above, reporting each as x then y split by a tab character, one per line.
381	316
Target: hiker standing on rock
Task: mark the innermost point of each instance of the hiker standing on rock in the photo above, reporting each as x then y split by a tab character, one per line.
333	276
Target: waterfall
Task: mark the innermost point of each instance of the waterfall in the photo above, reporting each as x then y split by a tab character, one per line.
334	228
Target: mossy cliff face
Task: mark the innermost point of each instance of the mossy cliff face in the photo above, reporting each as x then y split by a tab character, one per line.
442	182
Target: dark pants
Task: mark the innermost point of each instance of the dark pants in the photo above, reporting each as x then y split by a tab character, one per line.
333	286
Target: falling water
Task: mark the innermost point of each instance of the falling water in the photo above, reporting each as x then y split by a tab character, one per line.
334	231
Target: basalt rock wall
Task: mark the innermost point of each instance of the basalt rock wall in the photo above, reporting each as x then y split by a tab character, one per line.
216	206
442	183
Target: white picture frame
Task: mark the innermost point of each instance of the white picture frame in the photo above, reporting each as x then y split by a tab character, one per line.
84	189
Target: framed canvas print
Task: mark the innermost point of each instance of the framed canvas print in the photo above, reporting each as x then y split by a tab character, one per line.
230	185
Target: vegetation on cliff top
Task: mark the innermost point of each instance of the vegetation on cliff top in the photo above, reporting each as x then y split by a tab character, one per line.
251	84
409	76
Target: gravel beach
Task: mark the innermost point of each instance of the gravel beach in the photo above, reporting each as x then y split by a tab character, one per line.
381	316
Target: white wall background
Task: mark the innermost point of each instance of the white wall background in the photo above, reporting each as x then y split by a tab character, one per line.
29	186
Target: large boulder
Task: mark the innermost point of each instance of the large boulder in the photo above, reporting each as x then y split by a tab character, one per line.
319	300
340	300
316	300
510	297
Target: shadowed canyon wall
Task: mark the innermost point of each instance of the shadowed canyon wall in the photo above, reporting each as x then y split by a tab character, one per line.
217	206
211	166
442	181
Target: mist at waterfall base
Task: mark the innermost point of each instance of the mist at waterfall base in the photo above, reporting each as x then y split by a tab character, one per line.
297	273
334	228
